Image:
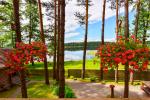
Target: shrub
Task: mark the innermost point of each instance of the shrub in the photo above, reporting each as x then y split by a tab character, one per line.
68	91
71	77
93	79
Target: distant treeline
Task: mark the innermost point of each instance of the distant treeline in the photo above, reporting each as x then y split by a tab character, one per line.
80	45
74	46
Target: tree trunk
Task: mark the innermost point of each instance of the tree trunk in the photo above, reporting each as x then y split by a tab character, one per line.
146	24
137	19
58	43
43	40
17	20
85	41
23	84
126	74
54	59
117	30
102	36
18	39
117	19
132	76
116	74
30	34
62	71
10	79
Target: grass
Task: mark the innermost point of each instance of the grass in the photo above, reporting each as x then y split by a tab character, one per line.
37	78
39	65
40	90
74	65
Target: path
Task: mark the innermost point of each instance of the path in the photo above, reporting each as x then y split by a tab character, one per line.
97	90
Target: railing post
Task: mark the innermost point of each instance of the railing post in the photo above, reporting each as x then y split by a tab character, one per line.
112	90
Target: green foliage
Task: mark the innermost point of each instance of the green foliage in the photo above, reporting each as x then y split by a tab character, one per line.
144	18
93	79
68	91
79	45
31	27
40	90
6	20
71	77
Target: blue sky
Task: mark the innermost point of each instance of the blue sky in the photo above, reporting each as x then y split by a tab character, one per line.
75	33
94	33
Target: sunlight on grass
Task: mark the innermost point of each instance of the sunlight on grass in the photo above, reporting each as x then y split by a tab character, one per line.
40	90
75	65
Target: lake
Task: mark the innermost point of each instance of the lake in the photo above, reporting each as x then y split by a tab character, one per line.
76	55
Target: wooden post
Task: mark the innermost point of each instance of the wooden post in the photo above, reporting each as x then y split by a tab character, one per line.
112	91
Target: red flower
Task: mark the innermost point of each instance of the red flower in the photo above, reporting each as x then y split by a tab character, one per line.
109	55
133	36
132	63
123	61
136	67
117	60
105	69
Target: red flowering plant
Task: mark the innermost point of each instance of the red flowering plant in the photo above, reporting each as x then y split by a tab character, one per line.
121	52
21	55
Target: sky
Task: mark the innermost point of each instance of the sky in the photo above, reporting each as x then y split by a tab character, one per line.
75	33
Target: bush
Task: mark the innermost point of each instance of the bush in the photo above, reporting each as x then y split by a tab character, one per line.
68	91
103	82
71	77
93	79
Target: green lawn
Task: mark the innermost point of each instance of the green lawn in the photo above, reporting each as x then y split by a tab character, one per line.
73	65
35	90
40	90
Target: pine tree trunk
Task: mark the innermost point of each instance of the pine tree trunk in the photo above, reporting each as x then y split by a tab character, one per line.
85	41
54	59
58	43
137	19
30	34
146	24
62	71
18	39
116	74
102	36
43	40
117	19
17	20
23	84
126	74
117	31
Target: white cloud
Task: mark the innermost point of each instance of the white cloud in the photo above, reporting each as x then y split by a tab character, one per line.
90	40
69	35
95	11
